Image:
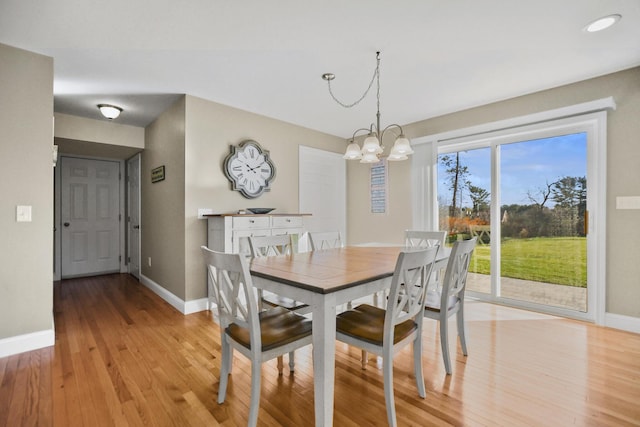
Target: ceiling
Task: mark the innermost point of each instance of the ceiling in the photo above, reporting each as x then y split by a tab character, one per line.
268	56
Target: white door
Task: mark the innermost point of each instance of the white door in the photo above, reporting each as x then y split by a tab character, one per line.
323	191
133	190
90	215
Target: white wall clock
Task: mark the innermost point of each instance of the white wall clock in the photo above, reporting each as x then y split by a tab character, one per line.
249	169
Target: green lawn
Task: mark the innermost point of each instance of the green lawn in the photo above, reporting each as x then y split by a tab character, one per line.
558	260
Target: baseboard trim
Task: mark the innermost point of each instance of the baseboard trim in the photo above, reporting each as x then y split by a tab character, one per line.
196	305
27	342
626	323
184	307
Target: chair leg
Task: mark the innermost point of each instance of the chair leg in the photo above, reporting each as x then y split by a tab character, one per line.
292	361
280	365
417	365
462	329
365	359
254	405
444	343
387	367
225	369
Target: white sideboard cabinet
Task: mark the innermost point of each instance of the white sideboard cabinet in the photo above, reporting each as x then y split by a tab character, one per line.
230	232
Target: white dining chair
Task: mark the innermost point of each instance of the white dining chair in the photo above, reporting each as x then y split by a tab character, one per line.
259	336
263	246
325	240
426	239
384	332
448	300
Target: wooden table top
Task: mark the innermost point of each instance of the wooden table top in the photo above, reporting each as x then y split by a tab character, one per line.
329	270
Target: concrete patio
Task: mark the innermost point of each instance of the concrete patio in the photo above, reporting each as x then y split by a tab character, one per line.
570	297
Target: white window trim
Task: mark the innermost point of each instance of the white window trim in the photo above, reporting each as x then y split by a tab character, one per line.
424	184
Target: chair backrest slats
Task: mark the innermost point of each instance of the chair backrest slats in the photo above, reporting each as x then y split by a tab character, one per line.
424	239
409	286
455	276
262	246
325	240
234	293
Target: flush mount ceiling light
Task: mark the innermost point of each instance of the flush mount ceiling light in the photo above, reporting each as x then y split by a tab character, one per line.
109	111
602	23
372	145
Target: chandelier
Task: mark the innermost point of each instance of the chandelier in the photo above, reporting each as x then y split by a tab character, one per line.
372	146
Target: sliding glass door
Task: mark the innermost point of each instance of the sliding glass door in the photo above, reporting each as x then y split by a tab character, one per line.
526	194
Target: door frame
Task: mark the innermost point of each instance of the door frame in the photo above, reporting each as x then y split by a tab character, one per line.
136	158
57	242
593	113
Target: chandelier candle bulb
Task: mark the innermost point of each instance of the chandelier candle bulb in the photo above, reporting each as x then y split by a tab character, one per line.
370	158
353	152
371	145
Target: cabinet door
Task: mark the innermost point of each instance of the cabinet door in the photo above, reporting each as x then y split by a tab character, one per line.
240	239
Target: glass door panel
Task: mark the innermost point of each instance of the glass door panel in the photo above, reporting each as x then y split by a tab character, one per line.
464	201
543	199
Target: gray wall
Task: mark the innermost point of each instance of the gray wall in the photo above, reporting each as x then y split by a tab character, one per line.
26	178
162	215
623	174
192	139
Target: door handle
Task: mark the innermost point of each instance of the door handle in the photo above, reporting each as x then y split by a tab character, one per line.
66	224
136	227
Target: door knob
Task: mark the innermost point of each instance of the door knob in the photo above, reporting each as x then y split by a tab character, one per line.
66	224
136	227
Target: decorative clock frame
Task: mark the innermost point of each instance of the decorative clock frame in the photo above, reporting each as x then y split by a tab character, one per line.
249	169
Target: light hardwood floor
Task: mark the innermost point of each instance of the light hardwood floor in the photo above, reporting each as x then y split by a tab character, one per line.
125	357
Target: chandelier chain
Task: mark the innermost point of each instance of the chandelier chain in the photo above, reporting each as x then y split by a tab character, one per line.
375	77
378	95
372	147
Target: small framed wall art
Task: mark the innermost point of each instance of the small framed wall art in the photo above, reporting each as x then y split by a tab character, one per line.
157	174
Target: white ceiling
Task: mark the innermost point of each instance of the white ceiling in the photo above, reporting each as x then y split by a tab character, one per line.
268	56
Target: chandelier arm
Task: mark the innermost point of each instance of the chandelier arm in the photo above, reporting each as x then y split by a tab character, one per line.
353	137
391	126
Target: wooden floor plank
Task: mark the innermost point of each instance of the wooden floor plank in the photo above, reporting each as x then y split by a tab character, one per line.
9	388
125	357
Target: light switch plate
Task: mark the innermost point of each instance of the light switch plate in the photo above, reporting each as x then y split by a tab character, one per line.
23	213
628	202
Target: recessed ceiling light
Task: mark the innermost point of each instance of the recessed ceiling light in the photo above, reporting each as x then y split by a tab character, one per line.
602	23
109	111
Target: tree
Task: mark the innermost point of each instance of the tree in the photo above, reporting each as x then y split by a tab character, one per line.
542	197
479	198
539	225
570	195
456	177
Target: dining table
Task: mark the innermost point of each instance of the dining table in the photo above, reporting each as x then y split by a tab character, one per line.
324	280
